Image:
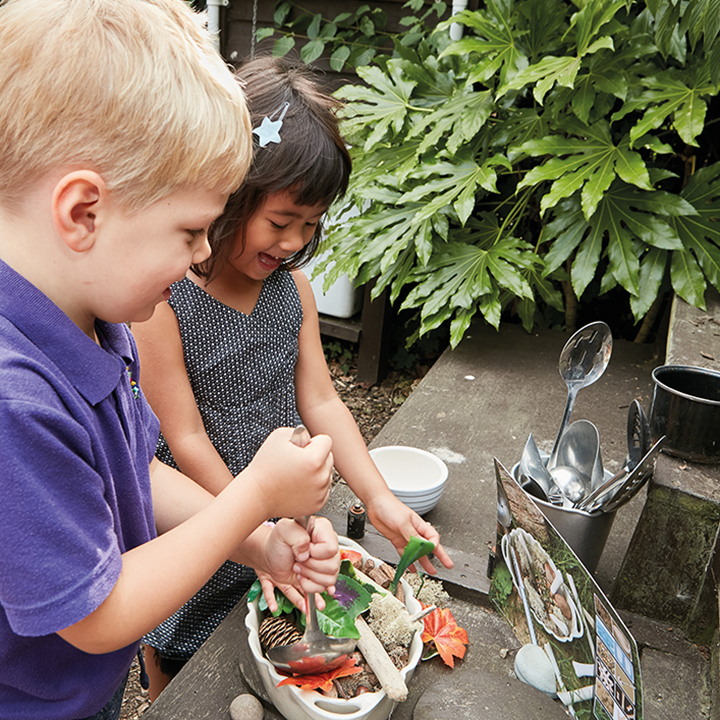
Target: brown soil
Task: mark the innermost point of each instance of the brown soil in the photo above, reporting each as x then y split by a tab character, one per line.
371	406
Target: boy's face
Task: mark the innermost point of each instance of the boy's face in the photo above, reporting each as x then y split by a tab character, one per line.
141	254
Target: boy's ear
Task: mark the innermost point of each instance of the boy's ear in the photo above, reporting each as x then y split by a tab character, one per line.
75	204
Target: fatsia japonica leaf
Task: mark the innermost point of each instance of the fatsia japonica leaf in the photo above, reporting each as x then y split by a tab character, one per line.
493	46
456	121
680	97
652	272
701	232
589	161
624	216
383	106
454	183
459	274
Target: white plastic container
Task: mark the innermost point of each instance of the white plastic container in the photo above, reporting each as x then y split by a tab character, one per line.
296	704
342	300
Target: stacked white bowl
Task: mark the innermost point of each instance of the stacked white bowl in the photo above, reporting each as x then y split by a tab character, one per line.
415	476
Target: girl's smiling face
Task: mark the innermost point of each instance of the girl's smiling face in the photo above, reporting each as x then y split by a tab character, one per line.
278	229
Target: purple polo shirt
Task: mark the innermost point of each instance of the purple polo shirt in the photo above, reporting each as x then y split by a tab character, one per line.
76	440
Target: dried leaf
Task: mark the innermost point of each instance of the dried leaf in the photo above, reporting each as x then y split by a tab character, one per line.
442	631
323	681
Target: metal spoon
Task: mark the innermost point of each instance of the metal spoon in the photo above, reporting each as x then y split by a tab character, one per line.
532	466
579	448
582	361
572	483
315	652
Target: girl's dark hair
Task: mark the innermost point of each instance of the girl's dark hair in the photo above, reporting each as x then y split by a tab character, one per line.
311	160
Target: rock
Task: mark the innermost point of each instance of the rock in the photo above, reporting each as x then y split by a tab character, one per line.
533	667
246	707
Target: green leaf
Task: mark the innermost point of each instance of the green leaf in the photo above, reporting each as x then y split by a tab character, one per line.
351	598
652	272
312	51
338	58
701	232
687	278
669	94
414	550
283	46
589	161
454	183
383	106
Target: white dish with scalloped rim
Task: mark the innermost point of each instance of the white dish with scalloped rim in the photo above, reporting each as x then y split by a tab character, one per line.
296	704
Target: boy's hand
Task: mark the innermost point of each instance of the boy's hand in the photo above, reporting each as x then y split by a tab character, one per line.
397	522
292	481
299	564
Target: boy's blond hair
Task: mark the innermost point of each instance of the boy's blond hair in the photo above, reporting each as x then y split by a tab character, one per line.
130	88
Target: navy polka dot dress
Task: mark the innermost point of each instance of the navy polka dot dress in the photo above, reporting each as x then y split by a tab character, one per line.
242	370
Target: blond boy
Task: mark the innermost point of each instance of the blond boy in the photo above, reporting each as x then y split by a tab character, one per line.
121	135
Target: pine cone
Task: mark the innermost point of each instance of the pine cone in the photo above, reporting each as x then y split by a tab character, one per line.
278	631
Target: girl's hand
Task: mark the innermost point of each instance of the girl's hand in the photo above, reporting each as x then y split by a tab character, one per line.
299	564
397	522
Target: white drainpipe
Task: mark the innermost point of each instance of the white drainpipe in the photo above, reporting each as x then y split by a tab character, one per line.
456	30
213	19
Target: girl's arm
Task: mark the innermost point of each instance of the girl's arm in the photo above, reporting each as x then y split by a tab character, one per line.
323	411
199	532
167	388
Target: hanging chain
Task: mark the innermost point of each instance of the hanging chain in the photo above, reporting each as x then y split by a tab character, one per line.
254	29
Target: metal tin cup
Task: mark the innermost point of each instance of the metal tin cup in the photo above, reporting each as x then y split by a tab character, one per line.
586	533
686	409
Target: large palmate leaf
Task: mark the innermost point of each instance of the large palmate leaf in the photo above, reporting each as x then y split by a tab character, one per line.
383	106
455	122
589	162
467	276
494	45
627	221
680	97
454	184
700	233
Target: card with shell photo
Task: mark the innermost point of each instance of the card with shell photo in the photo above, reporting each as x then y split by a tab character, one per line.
589	659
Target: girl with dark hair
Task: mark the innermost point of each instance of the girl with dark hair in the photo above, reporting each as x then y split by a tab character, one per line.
236	352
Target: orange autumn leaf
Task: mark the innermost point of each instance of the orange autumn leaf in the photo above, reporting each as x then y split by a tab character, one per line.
352	555
322	681
442	631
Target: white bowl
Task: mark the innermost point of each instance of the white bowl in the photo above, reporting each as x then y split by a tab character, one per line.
296	704
416	477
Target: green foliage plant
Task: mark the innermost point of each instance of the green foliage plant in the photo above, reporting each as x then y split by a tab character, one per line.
557	146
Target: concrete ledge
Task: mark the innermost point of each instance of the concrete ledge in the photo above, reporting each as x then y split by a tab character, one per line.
669	572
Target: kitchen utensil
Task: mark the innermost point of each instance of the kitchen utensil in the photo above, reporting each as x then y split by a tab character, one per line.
315	652
629	483
532	465
635	435
573	484
582	361
635	480
686	409
579	448
532	488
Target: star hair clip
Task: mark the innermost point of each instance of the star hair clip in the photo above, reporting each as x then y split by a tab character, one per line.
269	130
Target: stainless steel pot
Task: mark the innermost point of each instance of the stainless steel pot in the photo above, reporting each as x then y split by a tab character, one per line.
686	409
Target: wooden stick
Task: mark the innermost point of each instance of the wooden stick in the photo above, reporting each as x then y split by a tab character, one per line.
380	663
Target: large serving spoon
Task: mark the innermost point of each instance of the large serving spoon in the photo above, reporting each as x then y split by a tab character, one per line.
315	652
582	361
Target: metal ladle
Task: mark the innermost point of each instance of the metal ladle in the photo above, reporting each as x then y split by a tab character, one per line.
315	652
582	361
